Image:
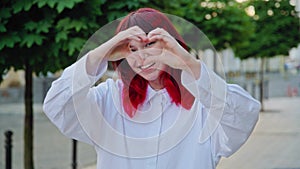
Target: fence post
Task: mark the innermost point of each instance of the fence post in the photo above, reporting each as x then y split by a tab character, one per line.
74	154
266	89
253	89
8	147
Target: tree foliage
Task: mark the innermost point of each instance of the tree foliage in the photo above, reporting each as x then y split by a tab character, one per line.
224	22
56	30
47	33
41	36
276	32
276	29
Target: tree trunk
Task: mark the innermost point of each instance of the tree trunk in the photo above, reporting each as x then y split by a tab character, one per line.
28	121
261	83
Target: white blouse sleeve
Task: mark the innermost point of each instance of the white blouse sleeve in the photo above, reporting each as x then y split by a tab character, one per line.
232	113
59	103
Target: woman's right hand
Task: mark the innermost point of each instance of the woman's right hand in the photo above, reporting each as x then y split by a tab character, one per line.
118	46
115	48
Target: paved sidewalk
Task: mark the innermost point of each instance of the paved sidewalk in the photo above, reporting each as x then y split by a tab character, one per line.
274	143
52	150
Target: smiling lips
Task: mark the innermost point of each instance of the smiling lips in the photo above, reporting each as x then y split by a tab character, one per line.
146	66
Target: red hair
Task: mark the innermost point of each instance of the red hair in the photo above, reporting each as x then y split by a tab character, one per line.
135	86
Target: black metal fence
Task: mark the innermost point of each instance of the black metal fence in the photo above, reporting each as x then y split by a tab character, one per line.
8	149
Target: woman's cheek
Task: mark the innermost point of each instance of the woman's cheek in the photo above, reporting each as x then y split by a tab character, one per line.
131	59
132	62
154	51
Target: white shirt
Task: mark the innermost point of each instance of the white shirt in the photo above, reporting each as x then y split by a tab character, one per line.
161	135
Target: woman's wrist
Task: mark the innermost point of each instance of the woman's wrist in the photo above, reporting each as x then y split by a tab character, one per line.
94	58
193	66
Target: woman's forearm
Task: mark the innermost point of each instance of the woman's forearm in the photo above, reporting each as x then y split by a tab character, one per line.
193	66
95	57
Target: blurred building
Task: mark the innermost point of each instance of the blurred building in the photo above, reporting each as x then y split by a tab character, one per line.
226	65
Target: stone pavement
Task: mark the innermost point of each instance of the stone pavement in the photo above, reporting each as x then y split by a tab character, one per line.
52	150
274	143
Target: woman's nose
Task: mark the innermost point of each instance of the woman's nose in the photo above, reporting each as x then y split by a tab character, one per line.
143	54
140	59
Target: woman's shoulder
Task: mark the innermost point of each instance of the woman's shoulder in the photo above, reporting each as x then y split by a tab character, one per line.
109	93
110	85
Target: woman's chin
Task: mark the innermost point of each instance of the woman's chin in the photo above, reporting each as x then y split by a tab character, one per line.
150	76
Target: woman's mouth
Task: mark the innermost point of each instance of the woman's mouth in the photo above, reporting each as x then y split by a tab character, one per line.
146	66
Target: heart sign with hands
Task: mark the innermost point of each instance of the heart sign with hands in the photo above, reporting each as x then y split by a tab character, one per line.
173	54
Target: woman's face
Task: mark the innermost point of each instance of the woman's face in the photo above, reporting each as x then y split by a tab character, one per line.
141	50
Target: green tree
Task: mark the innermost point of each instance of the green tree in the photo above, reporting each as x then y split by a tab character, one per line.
276	32
224	22
41	36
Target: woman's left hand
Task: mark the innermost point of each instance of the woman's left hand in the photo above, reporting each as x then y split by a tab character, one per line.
173	54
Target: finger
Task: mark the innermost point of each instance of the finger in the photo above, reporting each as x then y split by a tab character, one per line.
166	41
133	33
156	32
142	37
157	37
160	36
133	37
137	31
137	37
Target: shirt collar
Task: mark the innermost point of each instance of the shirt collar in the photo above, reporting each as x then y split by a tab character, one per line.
152	94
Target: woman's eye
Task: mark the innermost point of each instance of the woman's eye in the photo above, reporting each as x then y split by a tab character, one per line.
132	49
149	44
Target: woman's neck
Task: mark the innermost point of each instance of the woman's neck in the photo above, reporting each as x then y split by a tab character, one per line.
156	84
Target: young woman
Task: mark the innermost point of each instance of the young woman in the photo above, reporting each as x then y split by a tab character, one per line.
166	109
